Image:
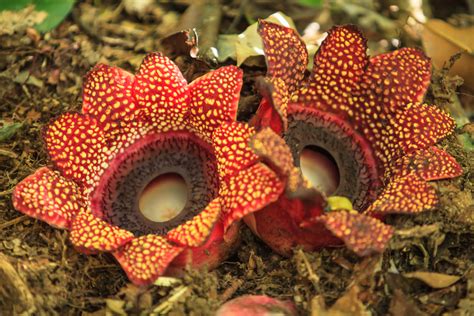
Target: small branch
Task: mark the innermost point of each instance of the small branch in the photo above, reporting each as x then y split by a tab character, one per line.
231	290
13	222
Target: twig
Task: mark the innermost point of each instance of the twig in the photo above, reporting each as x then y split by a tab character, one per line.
231	290
13	222
6	192
313	277
8	153
165	307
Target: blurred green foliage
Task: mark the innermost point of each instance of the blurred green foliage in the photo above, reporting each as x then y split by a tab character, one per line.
57	10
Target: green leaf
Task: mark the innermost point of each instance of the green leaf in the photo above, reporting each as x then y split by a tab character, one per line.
9	5
311	3
57	10
8	130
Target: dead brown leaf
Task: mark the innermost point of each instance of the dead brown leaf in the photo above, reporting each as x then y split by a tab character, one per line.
348	305
442	40
433	279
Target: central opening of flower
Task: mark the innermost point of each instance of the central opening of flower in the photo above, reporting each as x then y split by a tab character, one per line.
320	168
158	183
164	198
332	155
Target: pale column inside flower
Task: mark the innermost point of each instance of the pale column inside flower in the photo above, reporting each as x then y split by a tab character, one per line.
164	198
319	167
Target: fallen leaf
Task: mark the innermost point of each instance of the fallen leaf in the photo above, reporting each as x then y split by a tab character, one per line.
12	22
7	131
348	305
442	40
115	307
25	77
402	305
433	279
33	116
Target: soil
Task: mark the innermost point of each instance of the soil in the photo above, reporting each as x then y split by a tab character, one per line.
42	274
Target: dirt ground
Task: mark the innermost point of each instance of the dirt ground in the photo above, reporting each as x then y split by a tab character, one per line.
427	269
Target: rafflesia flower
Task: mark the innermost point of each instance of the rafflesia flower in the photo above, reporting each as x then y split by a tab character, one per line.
256	305
356	128
143	172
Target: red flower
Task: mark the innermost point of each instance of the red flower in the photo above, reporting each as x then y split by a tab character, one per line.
141	143
357	129
256	305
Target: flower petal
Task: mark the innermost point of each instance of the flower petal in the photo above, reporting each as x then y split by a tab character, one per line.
230	142
398	78
273	109
407	194
420	126
430	164
49	197
390	82
161	90
91	234
273	150
74	143
338	67
195	232
249	191
145	258
214	99
362	234
285	53
108	96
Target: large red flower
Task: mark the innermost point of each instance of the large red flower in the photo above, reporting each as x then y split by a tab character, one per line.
357	129
142	142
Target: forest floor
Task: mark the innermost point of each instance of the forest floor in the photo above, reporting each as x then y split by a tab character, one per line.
428	268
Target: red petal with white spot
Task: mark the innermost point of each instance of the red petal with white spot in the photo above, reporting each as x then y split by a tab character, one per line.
390	82
430	164
280	224
362	234
273	150
214	99
91	234
230	142
161	91
408	194
195	232
49	197
273	109
249	191
420	126
398	78
108	96
338	67
146	258
74	143
285	53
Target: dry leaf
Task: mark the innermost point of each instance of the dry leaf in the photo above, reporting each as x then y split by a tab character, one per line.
348	305
442	40
12	22
433	279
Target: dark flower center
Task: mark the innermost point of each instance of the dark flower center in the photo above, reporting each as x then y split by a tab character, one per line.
332	155
158	183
